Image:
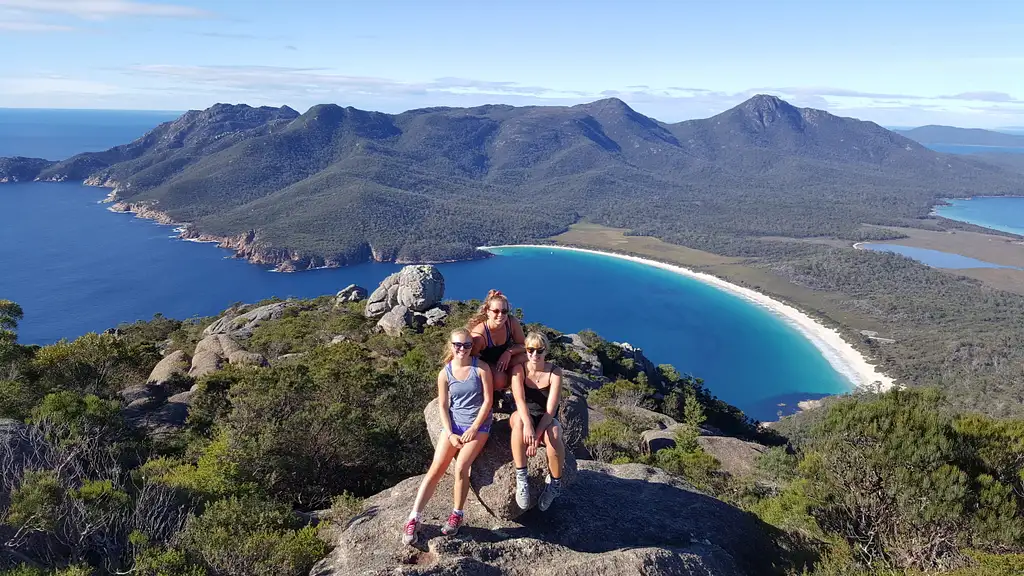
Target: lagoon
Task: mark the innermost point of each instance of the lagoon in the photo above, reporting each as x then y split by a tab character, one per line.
76	267
934	258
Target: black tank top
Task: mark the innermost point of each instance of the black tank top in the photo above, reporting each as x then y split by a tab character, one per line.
492	351
537	398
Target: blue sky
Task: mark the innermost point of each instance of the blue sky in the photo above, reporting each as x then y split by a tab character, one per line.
897	62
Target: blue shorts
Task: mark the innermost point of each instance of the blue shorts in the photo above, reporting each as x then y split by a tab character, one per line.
460	430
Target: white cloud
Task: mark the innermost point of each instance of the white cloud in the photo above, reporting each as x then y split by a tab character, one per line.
27	26
104	9
56	85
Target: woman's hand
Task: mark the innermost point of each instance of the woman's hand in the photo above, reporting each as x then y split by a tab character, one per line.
503	360
529	439
455	440
469	434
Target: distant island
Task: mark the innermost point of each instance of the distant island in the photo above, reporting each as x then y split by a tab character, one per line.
335	185
963	136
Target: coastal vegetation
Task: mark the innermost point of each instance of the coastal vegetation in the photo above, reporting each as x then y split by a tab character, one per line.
869	485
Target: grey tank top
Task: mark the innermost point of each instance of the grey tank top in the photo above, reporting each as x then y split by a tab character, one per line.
465	397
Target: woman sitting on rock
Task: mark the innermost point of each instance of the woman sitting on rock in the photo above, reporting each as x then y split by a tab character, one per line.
464	396
537	388
498	338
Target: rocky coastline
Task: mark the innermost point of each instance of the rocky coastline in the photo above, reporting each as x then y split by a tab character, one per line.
250	246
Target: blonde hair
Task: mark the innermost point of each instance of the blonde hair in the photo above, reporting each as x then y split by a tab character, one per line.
537	338
448	352
481	314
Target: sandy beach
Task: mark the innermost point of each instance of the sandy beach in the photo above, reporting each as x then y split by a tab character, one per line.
843	357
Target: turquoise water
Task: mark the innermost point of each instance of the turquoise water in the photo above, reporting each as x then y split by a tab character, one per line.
935	258
76	267
974	149
59	134
1003	213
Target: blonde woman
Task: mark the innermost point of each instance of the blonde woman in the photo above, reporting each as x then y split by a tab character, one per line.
464	396
498	338
537	388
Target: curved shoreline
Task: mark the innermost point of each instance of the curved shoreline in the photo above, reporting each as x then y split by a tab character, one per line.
840	354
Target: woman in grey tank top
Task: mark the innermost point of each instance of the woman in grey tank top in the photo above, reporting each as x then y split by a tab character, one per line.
464	397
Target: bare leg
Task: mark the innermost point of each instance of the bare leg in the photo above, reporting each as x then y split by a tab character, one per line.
501	379
465	459
443	455
518	446
555	450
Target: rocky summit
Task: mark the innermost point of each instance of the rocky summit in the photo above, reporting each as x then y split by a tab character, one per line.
624	519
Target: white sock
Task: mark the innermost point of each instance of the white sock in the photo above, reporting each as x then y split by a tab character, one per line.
414	515
459	512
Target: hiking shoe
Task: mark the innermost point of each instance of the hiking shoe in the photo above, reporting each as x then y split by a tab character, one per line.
522	494
452	525
551	491
410	534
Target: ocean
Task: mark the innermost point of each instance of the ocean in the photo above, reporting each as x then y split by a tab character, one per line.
998	213
76	267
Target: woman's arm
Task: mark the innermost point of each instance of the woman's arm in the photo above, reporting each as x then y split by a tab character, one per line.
554	397
518	338
442	404
479	342
487	383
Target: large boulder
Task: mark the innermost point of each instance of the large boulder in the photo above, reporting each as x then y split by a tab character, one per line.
436	315
350	293
737	457
242	325
628	520
493	475
589	362
174	364
205	362
574	416
246	358
418	288
395	320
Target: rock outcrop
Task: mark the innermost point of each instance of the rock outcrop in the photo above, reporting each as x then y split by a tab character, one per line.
418	288
350	293
175	364
215	350
242	325
410	297
737	457
637	356
395	320
628	520
589	362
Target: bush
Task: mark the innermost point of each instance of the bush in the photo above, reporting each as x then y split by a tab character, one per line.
893	477
101	364
611	439
250	536
620	393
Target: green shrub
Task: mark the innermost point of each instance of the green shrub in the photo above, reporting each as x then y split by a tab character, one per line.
101	364
249	536
620	393
611	439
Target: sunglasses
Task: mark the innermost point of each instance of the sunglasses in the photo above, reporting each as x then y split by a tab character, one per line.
535	350
499	311
462	345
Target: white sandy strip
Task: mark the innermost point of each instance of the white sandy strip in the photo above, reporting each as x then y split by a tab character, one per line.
843	357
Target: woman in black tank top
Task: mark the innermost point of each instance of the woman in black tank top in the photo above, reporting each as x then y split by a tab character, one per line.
537	388
498	338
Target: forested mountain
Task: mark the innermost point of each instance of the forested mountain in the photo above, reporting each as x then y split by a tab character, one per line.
338	185
965	136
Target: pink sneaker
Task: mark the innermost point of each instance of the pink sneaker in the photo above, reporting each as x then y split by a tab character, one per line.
410	534
452	525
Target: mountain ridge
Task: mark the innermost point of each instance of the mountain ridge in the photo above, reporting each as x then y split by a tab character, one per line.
938	134
338	185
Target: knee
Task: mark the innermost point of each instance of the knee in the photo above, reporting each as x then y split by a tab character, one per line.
515	422
500	380
553	435
462	469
